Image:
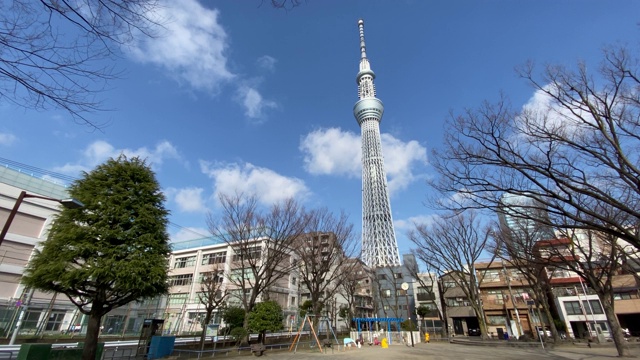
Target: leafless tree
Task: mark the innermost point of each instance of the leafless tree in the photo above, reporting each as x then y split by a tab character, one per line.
322	253
355	287
452	245
261	243
53	51
211	296
596	258
285	4
426	280
388	292
516	247
576	155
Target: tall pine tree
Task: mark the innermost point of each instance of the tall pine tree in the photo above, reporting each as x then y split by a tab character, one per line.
112	251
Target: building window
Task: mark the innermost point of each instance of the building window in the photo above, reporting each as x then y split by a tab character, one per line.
294	281
521	295
55	321
398	275
496	319
293	301
252	252
558	273
184	262
400	292
622	296
449	284
595	306
495	297
603	325
210	276
180	280
386	293
459	301
516	275
180	298
572	308
491	276
215	258
238	275
382	277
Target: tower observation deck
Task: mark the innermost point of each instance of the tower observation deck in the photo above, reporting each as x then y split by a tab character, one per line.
379	245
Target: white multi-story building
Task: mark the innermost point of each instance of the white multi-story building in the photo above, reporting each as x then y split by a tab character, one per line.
191	259
42	312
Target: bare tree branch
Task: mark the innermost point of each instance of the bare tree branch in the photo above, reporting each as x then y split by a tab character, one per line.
53	51
261	242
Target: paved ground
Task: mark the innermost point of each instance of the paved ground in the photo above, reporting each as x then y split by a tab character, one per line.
437	351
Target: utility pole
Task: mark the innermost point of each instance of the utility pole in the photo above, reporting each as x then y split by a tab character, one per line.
504	269
405	287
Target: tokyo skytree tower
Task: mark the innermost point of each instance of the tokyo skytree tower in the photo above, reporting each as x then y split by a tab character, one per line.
379	246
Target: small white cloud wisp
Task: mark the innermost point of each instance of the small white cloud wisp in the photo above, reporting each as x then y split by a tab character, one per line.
269	186
335	152
100	151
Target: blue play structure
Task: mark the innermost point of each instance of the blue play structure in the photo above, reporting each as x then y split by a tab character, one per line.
371	321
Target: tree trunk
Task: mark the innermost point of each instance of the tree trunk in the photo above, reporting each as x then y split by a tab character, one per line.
91	339
205	323
616	332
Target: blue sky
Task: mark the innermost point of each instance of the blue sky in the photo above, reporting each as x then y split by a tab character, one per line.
236	95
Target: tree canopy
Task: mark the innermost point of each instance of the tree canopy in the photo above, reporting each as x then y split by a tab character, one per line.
265	316
110	252
570	153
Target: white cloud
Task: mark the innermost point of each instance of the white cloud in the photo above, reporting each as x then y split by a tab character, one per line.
336	152
267	62
543	112
191	48
332	152
253	102
269	186
99	151
188	199
7	139
405	225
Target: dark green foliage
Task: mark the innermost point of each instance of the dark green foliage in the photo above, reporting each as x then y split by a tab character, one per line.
344	312
423	311
234	317
265	316
112	251
239	333
307	308
408	325
560	325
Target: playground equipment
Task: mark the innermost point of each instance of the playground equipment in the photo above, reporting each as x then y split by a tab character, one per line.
370	322
325	343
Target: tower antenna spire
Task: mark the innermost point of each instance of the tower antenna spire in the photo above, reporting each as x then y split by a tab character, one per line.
379	245
363	50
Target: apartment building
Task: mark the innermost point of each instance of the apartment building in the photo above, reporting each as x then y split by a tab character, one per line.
190	260
427	295
42	312
507	300
460	315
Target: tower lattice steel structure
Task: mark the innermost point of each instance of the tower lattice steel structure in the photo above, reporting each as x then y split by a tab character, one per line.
379	246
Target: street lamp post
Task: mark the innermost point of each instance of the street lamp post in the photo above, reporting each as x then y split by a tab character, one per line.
405	287
68	203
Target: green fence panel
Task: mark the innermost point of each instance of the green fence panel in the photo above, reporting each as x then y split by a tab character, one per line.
34	351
